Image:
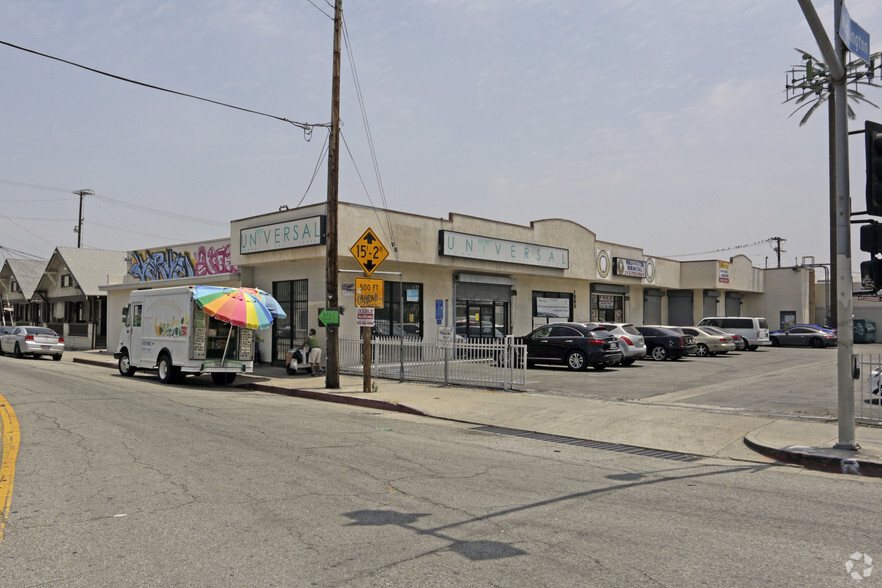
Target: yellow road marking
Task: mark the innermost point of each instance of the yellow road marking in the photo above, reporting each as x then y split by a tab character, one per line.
9	450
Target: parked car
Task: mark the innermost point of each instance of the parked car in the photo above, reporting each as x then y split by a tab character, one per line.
630	341
739	341
575	345
662	343
689	345
34	341
754	329
708	342
804	335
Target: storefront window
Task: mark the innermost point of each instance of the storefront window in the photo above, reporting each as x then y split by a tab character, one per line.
293	296
552	307
607	308
481	320
387	320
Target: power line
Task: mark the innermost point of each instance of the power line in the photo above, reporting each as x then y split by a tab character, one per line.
764	241
307	127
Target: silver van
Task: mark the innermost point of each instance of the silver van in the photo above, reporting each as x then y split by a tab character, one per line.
753	329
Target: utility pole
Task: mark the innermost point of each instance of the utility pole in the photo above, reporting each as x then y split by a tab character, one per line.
836	61
777	248
79	227
332	377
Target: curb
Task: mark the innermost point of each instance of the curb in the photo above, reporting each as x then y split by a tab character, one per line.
311	394
331	397
817	458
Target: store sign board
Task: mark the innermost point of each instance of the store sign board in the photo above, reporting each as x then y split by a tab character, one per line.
364	317
301	232
553	307
453	244
368	293
724	272
631	268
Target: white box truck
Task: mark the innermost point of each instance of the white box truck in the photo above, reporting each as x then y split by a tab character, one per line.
164	329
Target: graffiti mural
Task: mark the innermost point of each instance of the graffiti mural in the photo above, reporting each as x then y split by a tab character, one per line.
213	261
167	264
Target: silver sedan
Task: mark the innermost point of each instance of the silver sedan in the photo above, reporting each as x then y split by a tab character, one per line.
34	341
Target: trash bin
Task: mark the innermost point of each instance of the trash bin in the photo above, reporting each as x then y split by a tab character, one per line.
864	331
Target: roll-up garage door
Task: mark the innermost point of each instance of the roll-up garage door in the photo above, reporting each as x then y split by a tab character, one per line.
680	307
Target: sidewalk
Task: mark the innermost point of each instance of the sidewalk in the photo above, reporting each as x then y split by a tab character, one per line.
687	430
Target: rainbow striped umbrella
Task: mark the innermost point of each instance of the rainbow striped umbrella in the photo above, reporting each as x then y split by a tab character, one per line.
236	306
272	305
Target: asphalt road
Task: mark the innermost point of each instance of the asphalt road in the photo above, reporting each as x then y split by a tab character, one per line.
770	380
127	482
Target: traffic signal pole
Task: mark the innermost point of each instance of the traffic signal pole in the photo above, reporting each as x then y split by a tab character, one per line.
840	223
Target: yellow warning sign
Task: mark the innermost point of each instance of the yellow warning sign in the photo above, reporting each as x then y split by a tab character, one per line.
368	293
369	252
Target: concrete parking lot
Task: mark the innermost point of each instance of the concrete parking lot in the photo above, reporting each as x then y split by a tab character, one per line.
770	380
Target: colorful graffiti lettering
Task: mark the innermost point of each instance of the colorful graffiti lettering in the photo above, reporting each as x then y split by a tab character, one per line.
213	261
160	264
172	328
166	264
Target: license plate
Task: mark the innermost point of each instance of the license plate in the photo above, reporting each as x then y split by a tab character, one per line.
45	346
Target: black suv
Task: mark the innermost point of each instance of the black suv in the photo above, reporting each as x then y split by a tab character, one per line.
576	345
662	343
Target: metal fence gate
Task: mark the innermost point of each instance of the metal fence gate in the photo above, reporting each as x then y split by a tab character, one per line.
868	369
494	363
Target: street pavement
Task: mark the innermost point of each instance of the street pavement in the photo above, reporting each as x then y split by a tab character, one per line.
619	425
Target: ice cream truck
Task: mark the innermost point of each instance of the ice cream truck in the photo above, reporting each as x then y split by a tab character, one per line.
164	329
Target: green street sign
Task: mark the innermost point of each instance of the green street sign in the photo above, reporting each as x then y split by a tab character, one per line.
329	317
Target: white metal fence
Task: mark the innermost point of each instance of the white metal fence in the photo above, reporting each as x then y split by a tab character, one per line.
495	363
868	369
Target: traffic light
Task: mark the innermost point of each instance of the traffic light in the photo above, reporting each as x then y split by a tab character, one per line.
871	242
873	142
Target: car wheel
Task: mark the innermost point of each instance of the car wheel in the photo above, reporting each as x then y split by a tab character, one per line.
576	360
659	353
598	366
166	370
776	342
816	342
125	368
702	351
223	378
17	352
628	361
56	357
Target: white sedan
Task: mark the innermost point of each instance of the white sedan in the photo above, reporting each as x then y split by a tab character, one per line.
34	341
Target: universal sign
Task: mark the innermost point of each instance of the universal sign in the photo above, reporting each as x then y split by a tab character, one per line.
455	244
300	232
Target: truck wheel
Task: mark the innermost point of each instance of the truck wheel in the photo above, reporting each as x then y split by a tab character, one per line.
223	378
125	368
167	372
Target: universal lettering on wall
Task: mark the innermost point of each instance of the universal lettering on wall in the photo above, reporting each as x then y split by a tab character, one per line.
453	244
285	235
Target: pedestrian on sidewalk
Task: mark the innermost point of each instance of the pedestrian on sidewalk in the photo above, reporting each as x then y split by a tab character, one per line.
315	353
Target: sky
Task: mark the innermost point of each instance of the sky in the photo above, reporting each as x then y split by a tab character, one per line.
659	125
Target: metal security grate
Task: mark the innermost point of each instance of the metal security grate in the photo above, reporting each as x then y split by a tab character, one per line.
617	447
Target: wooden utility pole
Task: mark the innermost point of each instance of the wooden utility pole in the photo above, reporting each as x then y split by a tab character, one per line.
332	377
79	229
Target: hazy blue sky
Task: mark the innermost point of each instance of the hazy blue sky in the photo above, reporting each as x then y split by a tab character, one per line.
653	124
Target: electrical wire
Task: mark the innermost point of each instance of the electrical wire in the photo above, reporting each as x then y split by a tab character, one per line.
370	140
307	127
763	242
318	164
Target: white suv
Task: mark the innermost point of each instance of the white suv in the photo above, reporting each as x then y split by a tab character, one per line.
630	341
